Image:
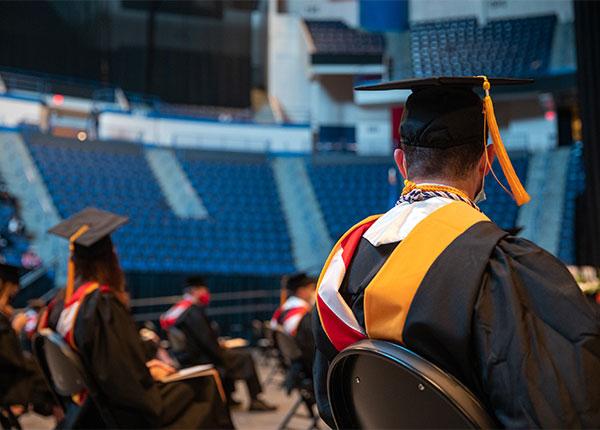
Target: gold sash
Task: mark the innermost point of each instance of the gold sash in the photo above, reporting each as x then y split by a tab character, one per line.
390	293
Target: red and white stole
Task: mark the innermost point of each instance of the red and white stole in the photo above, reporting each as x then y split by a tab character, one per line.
68	316
170	318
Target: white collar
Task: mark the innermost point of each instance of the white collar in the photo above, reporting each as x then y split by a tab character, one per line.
398	222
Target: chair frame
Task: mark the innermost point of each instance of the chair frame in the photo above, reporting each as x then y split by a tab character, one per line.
86	380
452	390
306	397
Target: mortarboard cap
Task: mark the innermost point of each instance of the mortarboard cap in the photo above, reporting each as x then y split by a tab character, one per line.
88	233
9	273
99	225
466	82
444	112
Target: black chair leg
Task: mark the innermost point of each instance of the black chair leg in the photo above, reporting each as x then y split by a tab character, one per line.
314	418
271	376
290	414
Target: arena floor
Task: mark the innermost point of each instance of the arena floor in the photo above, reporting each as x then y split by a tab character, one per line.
242	419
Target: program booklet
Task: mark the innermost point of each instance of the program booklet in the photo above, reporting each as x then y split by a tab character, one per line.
190	372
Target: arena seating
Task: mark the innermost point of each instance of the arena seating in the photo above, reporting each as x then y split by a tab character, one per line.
13	239
574	187
499	205
350	189
509	47
335	42
245	232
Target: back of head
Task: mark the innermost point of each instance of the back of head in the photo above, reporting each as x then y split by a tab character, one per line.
442	132
99	263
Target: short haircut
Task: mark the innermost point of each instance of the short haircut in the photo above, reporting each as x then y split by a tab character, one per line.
455	162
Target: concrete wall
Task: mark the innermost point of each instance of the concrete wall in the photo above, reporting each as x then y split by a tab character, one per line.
14	111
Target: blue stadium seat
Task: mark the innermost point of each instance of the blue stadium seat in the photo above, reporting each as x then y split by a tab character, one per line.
241	198
518	47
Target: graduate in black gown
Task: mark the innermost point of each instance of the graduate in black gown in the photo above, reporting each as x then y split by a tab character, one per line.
96	322
21	380
202	344
434	274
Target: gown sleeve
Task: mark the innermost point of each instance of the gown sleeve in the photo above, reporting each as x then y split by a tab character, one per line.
537	341
14	381
111	348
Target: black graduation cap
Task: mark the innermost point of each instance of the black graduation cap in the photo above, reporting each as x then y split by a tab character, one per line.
9	273
444	112
99	225
298	280
466	82
88	233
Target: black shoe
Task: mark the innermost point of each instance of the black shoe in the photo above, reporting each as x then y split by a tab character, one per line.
258	405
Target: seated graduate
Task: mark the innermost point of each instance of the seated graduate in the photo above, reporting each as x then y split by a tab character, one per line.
154	346
293	316
96	322
21	380
202	344
434	274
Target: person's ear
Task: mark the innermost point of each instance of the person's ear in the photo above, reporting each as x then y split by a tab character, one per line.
400	160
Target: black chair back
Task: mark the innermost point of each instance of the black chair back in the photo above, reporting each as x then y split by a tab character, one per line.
377	384
37	348
289	349
177	340
68	374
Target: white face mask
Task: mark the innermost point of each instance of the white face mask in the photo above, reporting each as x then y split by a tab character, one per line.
480	197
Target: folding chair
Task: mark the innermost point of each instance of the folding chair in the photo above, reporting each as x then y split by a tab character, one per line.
297	378
69	376
377	384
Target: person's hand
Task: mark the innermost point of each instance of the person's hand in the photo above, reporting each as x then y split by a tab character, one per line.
18	322
159	370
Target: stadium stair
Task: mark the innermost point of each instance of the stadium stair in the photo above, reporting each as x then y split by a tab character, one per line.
311	242
38	211
174	183
546	182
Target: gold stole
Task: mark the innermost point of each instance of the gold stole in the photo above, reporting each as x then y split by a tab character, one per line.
390	293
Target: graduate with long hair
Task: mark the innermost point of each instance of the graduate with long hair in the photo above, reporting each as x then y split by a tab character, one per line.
95	320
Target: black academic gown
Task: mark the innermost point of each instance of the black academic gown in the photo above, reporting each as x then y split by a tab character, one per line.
202	342
202	346
21	380
112	351
504	317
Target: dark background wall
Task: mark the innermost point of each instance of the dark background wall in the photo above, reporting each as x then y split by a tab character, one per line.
181	51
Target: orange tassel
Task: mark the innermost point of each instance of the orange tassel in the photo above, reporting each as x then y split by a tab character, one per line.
518	191
71	264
